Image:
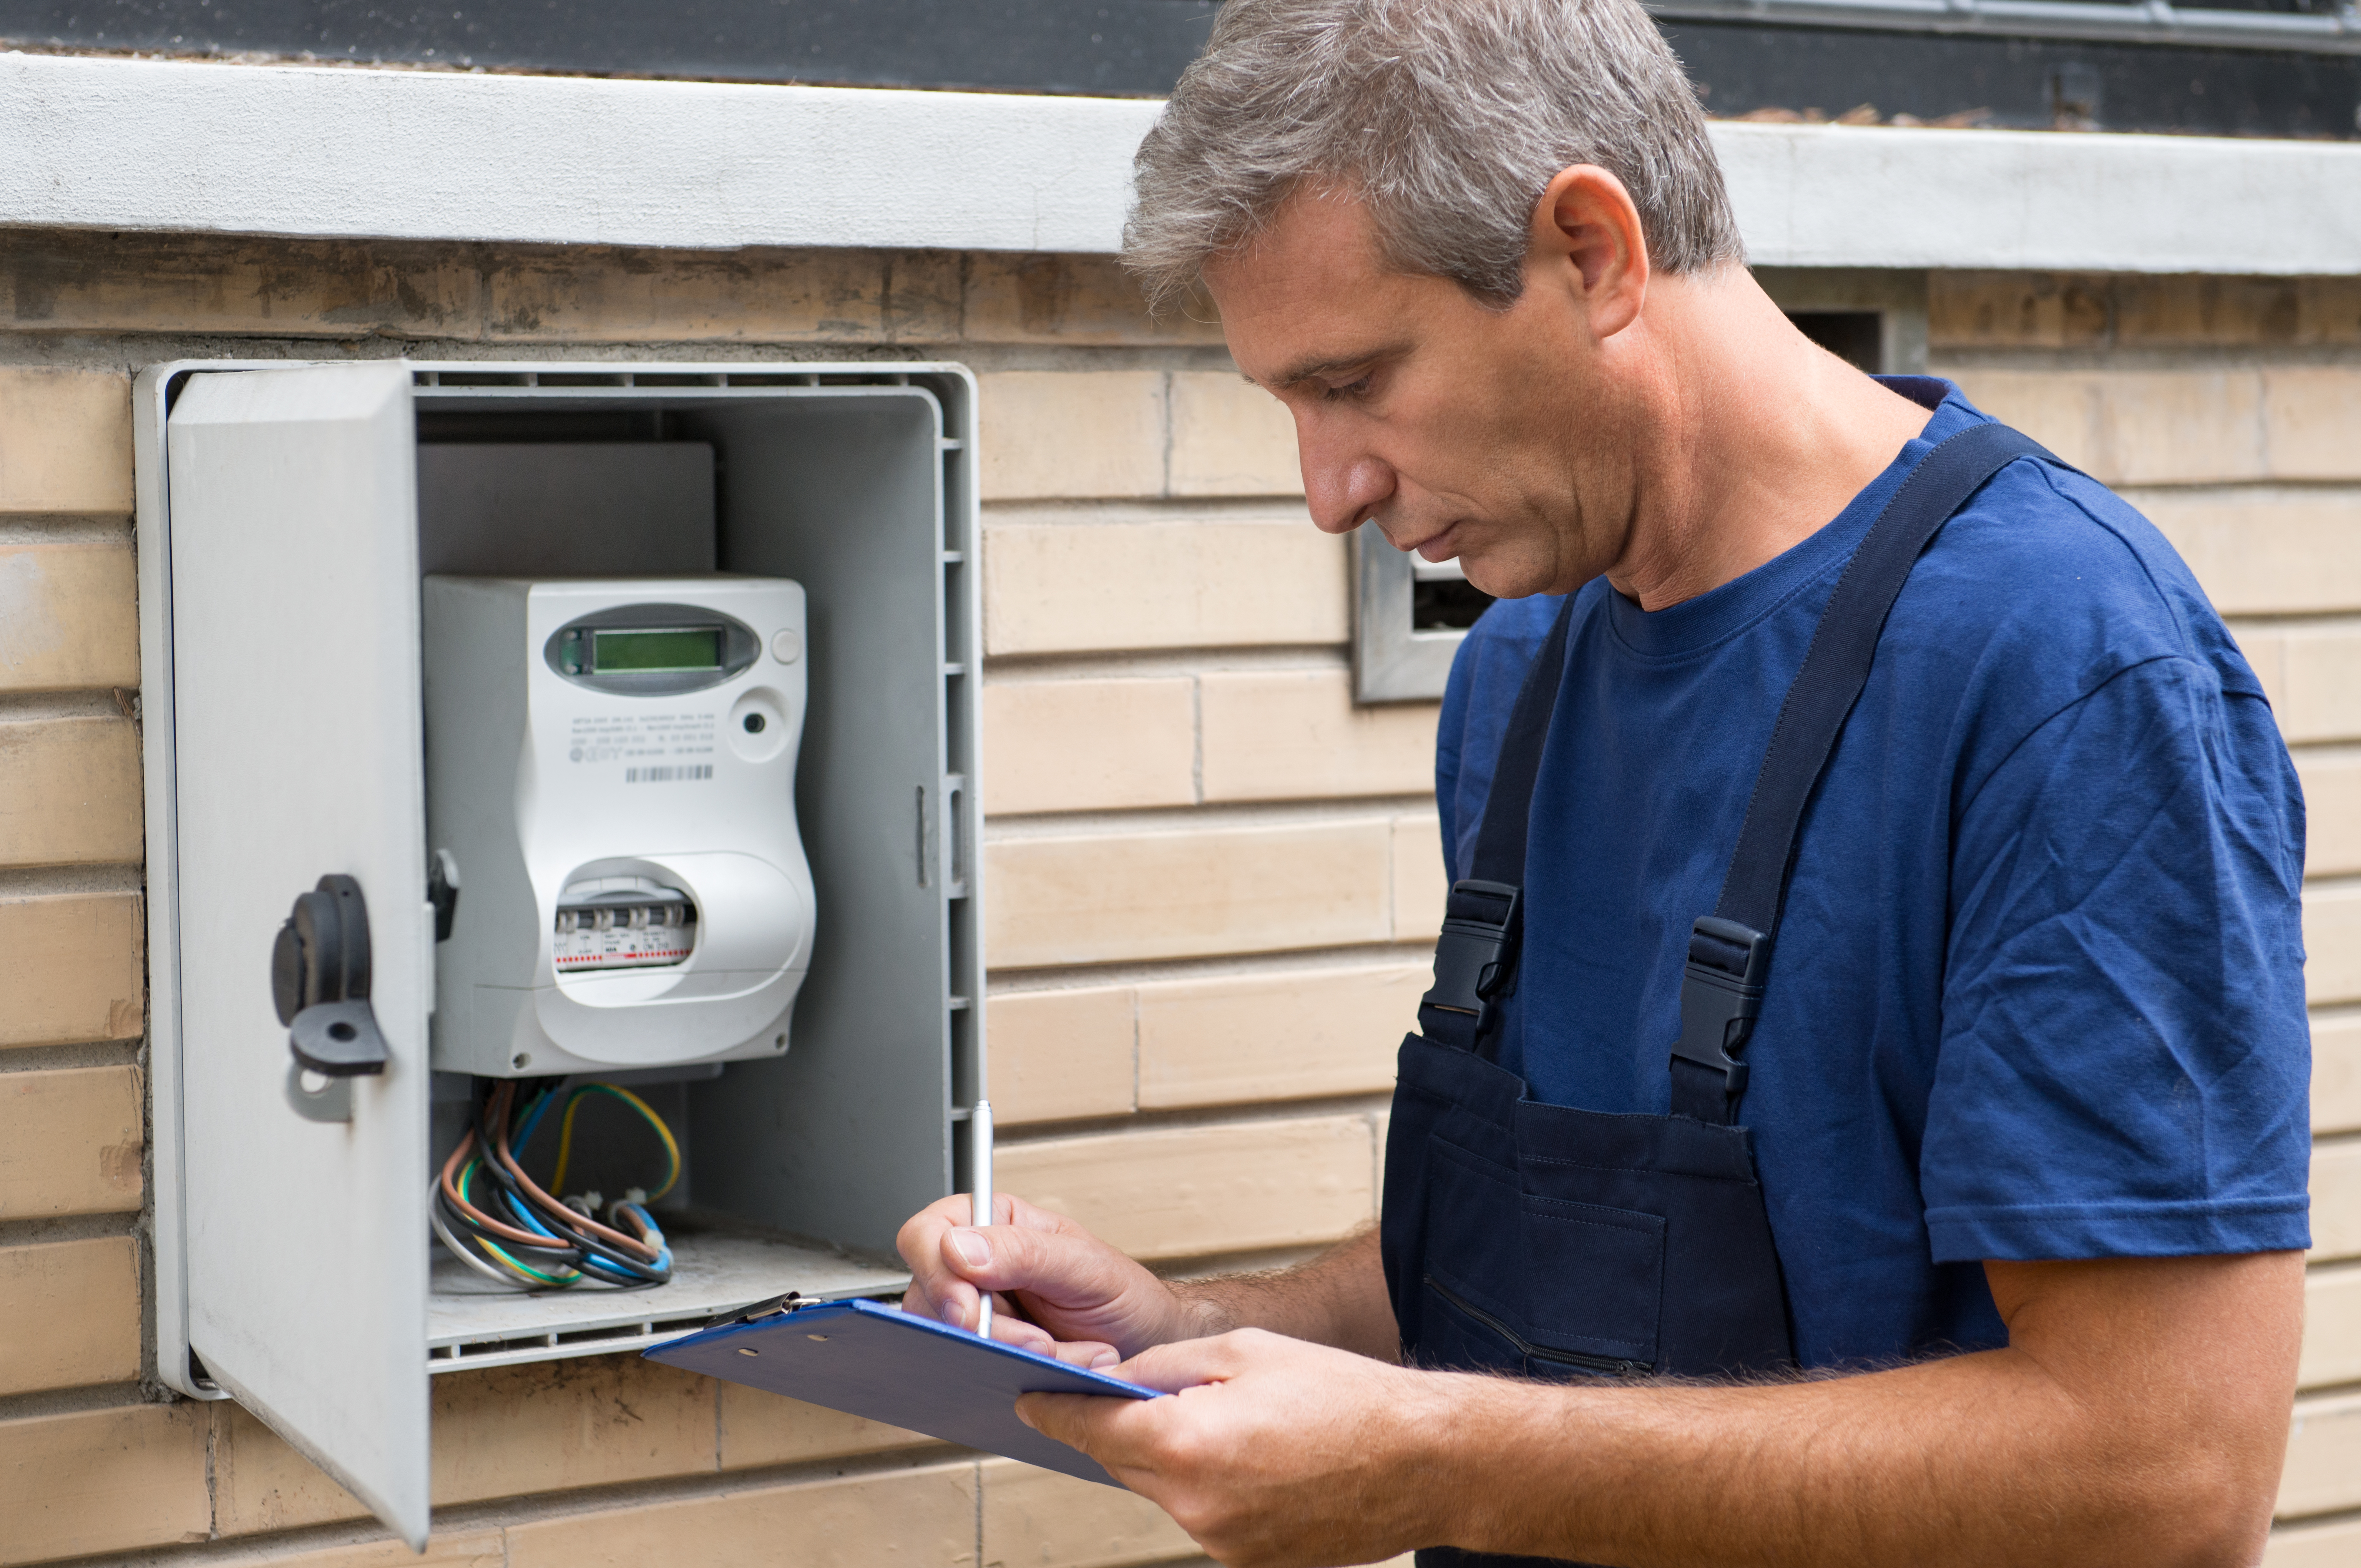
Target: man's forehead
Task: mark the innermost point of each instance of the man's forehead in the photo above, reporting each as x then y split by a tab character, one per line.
1307	294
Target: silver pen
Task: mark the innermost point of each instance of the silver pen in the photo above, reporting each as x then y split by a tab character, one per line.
979	1125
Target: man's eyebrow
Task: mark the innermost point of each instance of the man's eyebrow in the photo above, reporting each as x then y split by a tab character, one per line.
1305	370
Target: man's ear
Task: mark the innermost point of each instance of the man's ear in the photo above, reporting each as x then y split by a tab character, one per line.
1587	240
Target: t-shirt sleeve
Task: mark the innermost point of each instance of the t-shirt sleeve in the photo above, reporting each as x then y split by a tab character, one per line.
2124	1048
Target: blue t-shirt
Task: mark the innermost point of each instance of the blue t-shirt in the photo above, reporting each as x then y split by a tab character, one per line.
2037	991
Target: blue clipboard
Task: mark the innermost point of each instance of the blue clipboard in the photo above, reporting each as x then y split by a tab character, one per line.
906	1371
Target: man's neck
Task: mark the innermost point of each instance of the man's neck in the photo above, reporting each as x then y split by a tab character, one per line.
1755	439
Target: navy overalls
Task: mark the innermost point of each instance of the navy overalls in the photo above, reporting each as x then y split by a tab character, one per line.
1556	1242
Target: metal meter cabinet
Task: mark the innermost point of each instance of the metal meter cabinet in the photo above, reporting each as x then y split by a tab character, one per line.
279	534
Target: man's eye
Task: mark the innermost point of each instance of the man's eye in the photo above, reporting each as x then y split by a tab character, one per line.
1350	390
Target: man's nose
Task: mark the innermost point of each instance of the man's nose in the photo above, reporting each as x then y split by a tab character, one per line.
1340	488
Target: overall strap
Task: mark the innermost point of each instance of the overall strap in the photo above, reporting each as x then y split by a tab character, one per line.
1483	921
1729	950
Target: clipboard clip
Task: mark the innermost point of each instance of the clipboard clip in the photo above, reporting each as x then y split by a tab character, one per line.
791	1301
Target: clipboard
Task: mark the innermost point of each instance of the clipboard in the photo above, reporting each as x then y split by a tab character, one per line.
888	1366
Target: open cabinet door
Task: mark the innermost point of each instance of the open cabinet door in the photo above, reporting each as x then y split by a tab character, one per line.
295	714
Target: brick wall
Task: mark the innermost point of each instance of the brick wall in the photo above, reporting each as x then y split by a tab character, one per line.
1214	881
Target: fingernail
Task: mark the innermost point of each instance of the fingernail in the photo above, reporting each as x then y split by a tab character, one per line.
1105	1359
1026	1419
973	1250
954	1314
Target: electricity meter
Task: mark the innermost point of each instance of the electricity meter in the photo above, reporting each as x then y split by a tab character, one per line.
612	765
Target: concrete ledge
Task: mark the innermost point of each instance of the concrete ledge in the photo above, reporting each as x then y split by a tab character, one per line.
346	153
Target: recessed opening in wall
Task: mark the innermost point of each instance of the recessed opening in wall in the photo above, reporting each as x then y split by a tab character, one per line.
1438	603
1856	337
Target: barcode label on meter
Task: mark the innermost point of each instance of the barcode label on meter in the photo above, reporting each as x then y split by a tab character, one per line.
668	775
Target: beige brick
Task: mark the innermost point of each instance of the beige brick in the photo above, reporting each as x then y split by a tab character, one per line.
1211	1042
2161	427
2312	417
261	1484
909	1519
69	616
602	295
1077	299
1298	735
70	969
2333	1545
2331	1327
2015	310
2268	552
1059	1055
2061	411
102	1481
65	441
2331	942
553	1426
189	283
69	1141
1231	438
771	1429
69	791
504	1432
1107	898
1038	1519
2178	311
1075	587
2134	426
72	1311
2317	694
2332	798
1420	888
1089	745
2337	1075
1070	435
2335	1201
1192	1191
548	1426
2323	1460
445	1549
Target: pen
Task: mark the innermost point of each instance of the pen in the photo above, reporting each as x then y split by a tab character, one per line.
978	1126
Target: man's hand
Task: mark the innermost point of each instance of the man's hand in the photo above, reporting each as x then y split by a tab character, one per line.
1271	1450
1088	1303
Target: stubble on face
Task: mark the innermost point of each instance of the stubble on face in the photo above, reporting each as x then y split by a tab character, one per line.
1460	429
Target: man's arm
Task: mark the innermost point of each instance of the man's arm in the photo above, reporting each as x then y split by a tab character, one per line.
1086	1303
2137	1416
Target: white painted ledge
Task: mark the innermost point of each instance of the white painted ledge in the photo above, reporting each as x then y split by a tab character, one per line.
347	153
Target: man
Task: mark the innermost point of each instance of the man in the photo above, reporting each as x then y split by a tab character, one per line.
1963	1223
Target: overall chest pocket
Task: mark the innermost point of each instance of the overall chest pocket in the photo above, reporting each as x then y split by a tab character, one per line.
1544	1287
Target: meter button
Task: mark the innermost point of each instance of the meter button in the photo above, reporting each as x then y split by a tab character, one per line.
787	645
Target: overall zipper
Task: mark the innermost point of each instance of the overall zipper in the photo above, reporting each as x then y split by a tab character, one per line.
1615	1365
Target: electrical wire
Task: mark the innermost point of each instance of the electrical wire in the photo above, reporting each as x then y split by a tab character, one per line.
504	1225
565	1133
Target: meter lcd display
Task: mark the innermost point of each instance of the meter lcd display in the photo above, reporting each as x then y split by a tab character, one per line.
697	648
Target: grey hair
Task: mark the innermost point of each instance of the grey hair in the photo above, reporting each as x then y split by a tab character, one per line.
1447	118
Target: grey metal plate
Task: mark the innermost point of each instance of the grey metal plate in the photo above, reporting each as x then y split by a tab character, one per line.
471	1322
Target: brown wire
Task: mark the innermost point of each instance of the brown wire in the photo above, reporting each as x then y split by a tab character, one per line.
451	1191
507	1161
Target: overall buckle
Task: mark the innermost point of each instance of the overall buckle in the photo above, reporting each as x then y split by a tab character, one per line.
1476	957
1721	995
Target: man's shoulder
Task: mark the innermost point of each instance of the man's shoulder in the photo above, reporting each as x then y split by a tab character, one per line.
2048	574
